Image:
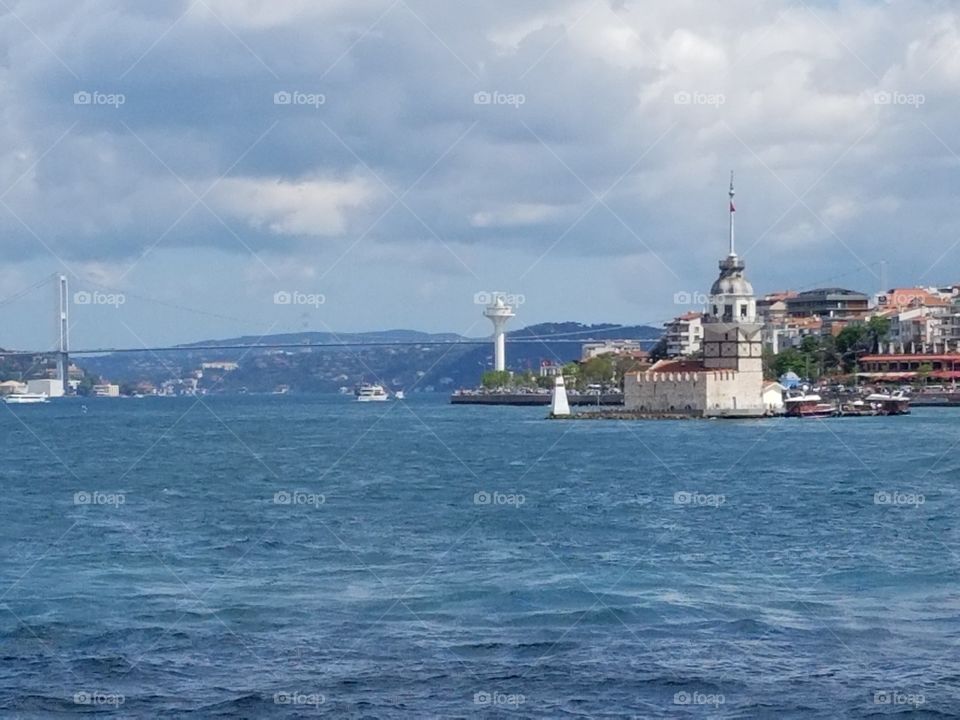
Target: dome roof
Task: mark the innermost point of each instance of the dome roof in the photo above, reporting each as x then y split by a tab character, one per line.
731	285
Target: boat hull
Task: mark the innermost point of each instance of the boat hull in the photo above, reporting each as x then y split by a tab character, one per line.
25	399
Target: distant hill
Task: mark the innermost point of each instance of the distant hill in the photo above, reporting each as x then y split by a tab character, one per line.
417	365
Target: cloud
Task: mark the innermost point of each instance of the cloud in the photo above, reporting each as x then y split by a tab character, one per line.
308	208
519	214
633	116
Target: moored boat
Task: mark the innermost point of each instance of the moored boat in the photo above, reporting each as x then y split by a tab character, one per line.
858	408
808	406
26	398
897	403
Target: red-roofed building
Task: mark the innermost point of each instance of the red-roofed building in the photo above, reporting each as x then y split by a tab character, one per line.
902	298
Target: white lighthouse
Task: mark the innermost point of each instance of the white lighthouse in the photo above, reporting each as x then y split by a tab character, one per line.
499	313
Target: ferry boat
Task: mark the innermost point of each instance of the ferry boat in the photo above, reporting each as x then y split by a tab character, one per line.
368	392
808	406
26	398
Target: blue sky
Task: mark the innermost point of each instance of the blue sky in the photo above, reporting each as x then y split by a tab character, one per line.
396	157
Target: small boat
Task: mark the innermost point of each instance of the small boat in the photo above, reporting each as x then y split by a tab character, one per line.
26	398
858	408
886	404
399	395
808	406
368	392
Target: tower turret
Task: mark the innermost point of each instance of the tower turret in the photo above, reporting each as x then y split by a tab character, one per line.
731	297
731	333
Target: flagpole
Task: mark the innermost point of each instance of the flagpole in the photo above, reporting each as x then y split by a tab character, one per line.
732	211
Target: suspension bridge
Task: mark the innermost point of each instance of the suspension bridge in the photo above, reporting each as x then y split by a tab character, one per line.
63	350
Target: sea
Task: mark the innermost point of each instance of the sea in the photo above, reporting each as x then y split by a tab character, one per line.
303	557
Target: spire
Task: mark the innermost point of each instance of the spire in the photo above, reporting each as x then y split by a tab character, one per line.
733	210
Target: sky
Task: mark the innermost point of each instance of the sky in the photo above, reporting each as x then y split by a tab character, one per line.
211	168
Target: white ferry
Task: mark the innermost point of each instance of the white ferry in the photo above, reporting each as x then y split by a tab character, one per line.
368	392
26	398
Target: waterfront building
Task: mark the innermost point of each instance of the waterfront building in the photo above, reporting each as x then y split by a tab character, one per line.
590	350
685	335
105	390
51	387
772	307
224	365
828	303
12	387
548	368
787	332
728	381
902	298
905	367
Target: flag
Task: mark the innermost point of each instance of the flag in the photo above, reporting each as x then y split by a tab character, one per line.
732	208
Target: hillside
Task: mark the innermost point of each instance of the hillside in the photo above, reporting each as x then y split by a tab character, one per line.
417	366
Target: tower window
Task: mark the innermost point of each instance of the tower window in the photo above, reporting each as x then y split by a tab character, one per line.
743	311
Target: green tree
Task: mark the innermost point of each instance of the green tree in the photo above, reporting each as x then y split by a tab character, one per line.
878	329
597	370
527	379
851	342
659	351
545	382
493	379
791	360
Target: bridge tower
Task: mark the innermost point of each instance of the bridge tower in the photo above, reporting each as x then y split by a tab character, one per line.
63	327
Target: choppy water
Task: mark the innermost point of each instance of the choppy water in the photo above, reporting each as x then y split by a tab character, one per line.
291	557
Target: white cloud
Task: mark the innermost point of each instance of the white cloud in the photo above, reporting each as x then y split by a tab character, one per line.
519	214
798	116
308	208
